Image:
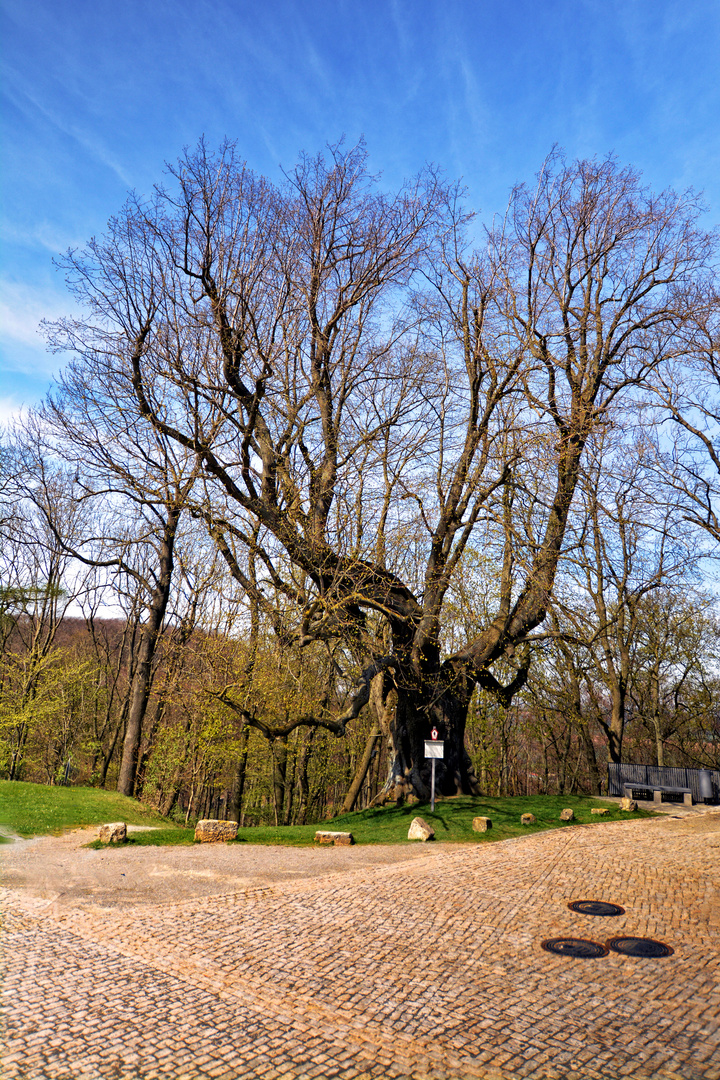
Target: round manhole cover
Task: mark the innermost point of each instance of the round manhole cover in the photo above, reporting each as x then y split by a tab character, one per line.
596	907
639	946
577	947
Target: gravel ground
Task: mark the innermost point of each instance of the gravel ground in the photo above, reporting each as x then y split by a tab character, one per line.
60	871
399	963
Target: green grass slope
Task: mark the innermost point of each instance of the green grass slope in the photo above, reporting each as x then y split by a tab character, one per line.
38	809
452	822
452	819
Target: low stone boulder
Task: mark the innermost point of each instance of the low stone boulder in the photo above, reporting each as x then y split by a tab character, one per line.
482	824
600	810
567	814
528	819
420	830
338	839
628	804
211	831
115	832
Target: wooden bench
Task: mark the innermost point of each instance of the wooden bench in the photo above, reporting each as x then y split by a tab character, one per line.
657	790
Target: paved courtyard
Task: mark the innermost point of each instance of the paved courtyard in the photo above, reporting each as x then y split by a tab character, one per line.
422	963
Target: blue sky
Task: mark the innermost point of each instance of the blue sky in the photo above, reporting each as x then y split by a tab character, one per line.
97	95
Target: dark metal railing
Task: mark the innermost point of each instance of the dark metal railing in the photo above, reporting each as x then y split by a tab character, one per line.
647	776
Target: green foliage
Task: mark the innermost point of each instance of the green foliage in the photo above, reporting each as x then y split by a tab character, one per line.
41	711
38	809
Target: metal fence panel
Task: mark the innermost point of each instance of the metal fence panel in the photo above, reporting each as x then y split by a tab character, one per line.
653	775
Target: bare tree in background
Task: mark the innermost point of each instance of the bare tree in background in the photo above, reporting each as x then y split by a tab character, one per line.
628	543
37	585
134	486
673	673
689	392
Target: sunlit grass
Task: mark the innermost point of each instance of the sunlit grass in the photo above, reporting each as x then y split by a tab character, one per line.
38	809
452	822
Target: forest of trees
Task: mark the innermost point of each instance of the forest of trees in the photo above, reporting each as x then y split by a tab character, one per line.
328	466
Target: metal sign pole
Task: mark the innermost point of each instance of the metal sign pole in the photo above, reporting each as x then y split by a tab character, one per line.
434	748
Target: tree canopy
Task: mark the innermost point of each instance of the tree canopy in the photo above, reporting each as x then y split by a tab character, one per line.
354	391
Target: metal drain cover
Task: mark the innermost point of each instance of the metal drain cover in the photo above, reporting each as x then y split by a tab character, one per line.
596	907
639	946
576	947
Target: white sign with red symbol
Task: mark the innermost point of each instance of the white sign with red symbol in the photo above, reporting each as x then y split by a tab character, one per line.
434	747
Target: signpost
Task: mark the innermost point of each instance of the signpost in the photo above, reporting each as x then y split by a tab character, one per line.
434	749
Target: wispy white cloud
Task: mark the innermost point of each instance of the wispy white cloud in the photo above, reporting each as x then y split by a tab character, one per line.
12	410
29	103
402	25
22	308
475	107
42	235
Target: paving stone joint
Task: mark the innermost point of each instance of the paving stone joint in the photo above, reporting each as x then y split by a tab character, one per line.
422	968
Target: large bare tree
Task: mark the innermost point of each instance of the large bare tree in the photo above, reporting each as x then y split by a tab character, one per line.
689	393
364	393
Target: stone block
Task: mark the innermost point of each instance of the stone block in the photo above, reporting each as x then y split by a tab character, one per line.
420	830
528	819
600	810
211	831
567	814
115	832
482	824
339	839
628	804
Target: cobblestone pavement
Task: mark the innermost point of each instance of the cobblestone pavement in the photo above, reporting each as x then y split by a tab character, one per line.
430	968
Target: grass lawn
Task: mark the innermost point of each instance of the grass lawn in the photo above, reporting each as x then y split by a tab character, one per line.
452	822
38	809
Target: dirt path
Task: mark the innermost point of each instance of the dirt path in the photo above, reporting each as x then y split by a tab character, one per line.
59	870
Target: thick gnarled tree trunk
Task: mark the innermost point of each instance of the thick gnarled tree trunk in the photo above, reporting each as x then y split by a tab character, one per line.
416	711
